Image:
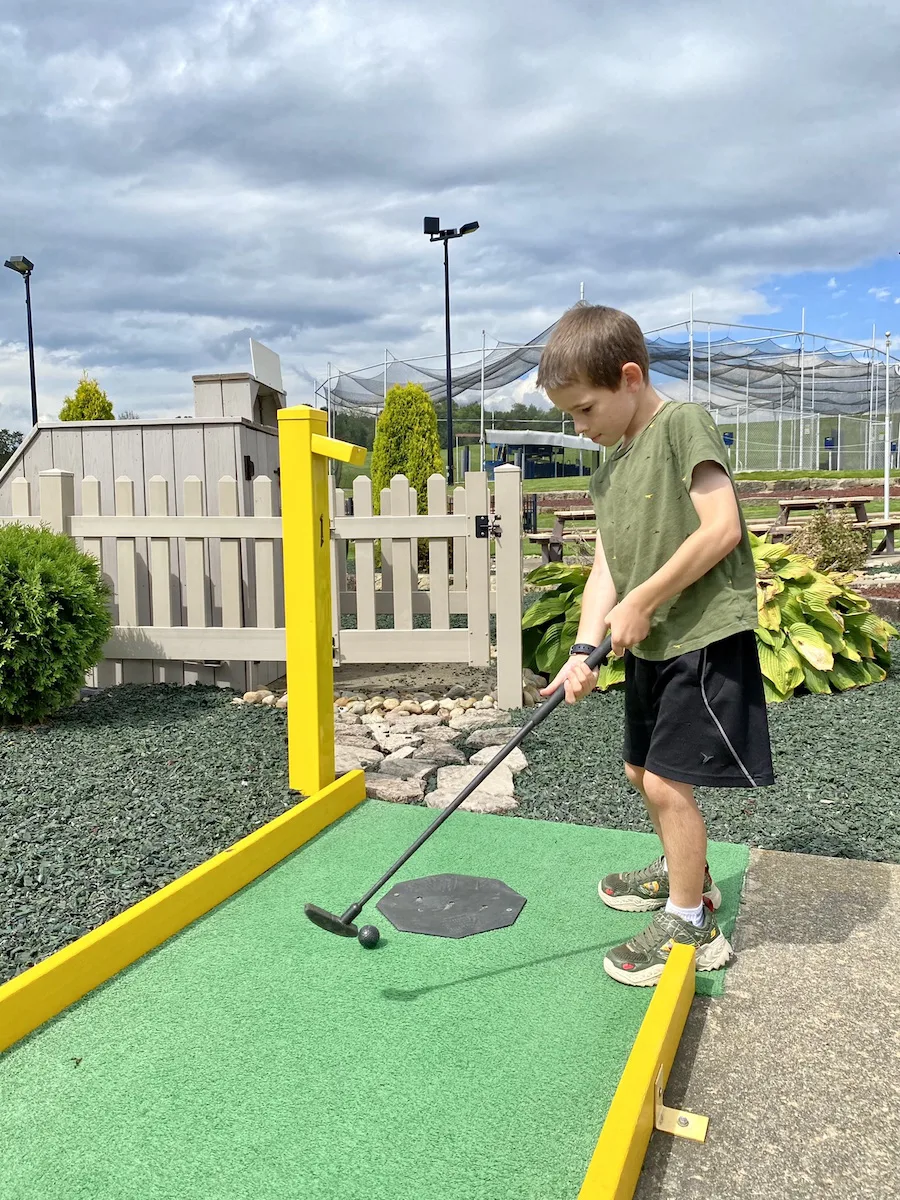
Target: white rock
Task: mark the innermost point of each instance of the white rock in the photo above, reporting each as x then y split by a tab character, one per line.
236	700
357	708
440	733
484	704
430	706
399	754
483	803
354	758
389	705
395	741
269	701
421	697
498	783
474	720
398	791
253	697
409	706
466	704
441	753
407	768
282	701
496	736
515	760
408	723
349	719
446	702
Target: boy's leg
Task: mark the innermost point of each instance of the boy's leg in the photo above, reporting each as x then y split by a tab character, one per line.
649	887
682	831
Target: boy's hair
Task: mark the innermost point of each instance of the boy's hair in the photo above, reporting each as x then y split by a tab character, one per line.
591	344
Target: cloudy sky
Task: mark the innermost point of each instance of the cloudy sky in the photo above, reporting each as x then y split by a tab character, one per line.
185	175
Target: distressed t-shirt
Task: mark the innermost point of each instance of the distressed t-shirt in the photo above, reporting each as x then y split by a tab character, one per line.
641	495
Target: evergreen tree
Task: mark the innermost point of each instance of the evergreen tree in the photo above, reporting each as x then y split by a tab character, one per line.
90	403
406	443
10	441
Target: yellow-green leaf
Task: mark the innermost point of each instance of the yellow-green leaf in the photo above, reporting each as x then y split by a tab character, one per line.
841	676
816	681
772	668
769	615
611	673
812	646
773	696
796	568
823	614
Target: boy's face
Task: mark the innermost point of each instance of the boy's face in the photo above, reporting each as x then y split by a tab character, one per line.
599	413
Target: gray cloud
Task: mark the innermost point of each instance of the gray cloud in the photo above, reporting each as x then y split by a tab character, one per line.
185	175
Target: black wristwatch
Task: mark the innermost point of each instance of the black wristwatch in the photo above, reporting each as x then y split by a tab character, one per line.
582	648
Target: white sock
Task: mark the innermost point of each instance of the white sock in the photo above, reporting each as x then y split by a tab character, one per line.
665	865
693	915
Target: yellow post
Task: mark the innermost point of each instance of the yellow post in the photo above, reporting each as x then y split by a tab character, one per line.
306	529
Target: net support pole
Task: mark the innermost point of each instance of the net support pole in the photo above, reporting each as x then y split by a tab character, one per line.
780	423
887	426
814	428
691	341
870	429
802	370
747	424
481	439
708	367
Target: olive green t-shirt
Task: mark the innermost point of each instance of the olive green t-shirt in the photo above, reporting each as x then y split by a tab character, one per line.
644	512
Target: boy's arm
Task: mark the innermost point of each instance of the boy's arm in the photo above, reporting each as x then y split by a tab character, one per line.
598	599
714	500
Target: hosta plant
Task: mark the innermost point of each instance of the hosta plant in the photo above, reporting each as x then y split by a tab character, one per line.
550	625
814	632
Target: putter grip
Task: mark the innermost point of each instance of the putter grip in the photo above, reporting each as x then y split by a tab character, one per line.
595	659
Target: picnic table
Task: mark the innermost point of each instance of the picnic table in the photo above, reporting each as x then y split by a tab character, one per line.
789	504
551	543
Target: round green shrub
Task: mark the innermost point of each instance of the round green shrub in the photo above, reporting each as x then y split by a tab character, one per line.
54	621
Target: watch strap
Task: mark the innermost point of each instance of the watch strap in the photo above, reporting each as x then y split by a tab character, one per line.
582	648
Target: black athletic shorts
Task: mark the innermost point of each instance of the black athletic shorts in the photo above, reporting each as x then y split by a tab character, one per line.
700	718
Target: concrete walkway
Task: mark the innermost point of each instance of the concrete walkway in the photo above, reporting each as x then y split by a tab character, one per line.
798	1064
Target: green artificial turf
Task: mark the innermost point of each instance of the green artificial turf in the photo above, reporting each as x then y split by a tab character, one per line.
254	1055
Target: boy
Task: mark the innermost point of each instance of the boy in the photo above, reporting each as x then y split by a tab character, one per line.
673	580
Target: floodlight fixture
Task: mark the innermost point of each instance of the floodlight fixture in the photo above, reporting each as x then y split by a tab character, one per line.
24	266
431	227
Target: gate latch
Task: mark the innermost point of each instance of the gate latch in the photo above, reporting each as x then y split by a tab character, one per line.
486	526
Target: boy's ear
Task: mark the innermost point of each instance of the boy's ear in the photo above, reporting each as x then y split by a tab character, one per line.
632	377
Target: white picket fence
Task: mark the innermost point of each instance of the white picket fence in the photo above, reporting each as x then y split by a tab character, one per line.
178	621
470	528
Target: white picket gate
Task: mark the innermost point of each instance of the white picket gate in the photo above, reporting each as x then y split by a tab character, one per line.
465	589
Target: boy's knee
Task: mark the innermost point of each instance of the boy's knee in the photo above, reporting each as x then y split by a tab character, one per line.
666	792
634	775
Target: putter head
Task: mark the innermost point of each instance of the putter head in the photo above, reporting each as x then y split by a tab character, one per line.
328	921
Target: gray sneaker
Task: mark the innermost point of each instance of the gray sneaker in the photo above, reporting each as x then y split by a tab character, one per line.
641	960
648	888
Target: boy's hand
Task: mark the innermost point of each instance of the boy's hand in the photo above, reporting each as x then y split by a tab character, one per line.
580	680
629	623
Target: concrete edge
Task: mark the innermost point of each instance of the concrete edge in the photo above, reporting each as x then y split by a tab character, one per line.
616	1163
46	989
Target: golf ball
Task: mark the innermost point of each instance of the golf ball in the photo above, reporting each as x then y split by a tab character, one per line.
368	936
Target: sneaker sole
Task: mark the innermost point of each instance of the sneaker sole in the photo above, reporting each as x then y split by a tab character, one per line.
710	958
632	903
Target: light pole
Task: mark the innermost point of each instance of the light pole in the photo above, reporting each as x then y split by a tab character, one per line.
432	227
24	267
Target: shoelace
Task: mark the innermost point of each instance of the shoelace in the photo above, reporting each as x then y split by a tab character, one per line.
645	873
647	939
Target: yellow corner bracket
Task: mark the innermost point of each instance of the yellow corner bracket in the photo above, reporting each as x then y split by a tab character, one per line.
304	448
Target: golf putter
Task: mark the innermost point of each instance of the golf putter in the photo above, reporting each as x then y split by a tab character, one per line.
344	925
